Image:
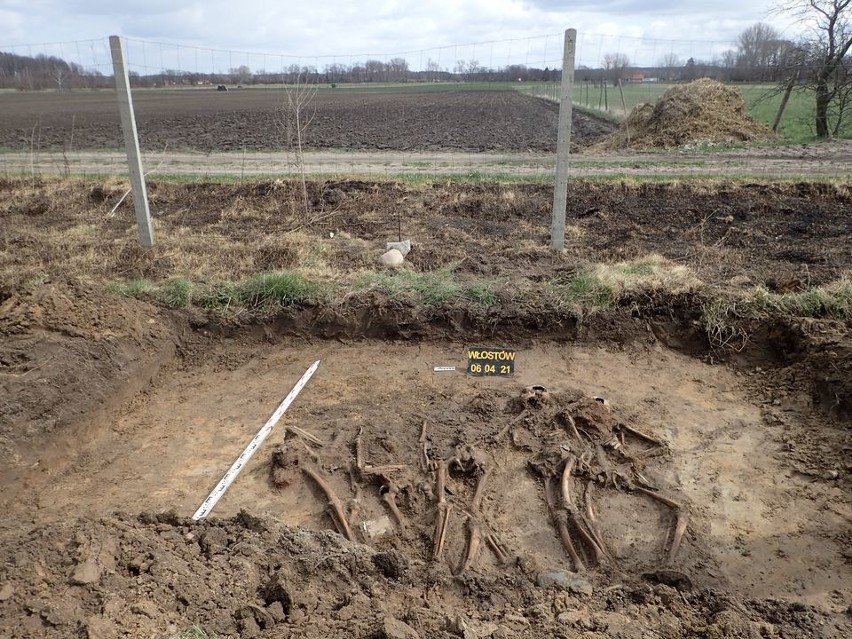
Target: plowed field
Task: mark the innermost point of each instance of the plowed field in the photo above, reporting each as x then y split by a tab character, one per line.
207	120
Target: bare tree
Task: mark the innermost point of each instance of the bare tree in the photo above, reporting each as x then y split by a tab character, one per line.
757	46
432	69
293	116
670	62
615	64
58	73
822	62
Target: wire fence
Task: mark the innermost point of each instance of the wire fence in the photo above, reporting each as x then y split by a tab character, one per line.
478	110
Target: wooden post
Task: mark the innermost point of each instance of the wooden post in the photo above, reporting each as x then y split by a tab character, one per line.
131	143
563	144
784	99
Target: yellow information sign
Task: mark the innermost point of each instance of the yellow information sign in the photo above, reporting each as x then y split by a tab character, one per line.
496	362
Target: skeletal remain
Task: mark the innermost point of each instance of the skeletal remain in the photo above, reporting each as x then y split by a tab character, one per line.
474	543
597	453
680	524
560	519
638	433
389	492
359	451
577	518
443	511
533	398
472	461
383	470
388	488
316	441
476	504
425	461
498	548
334	504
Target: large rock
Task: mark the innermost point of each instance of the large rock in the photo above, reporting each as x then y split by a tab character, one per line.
564	580
88	572
392	258
6	592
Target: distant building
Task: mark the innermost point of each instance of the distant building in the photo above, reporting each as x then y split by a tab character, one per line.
636	76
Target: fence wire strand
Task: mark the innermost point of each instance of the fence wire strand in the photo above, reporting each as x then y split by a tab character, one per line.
445	111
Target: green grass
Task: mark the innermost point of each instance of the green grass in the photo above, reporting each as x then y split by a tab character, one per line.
762	102
278	288
140	288
725	317
582	293
432	288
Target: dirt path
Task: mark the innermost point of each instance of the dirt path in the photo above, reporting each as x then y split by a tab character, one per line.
828	161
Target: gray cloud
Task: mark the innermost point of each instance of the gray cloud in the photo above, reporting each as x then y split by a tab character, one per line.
440	29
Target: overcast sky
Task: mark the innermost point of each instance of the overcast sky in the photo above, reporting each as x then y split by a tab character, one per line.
319	32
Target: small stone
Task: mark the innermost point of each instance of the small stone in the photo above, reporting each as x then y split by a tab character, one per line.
6	592
396	629
100	628
564	580
86	573
577	618
146	608
376	528
830	475
213	541
392	258
277	611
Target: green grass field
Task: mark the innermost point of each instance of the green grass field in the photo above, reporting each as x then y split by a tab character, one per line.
762	100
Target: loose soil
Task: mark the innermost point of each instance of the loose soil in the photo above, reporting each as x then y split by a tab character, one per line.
784	236
207	120
112	405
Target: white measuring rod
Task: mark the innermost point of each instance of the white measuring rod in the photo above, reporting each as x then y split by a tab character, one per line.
229	477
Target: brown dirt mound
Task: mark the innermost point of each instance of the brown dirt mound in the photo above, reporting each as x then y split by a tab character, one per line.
703	111
160	575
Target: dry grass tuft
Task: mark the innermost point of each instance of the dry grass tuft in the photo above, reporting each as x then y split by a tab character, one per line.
650	273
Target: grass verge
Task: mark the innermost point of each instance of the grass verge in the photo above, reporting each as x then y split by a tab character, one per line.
588	290
725	317
277	288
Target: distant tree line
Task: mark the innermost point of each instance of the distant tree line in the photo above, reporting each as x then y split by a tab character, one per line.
47	72
761	55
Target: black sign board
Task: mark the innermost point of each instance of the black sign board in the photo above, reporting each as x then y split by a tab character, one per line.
496	362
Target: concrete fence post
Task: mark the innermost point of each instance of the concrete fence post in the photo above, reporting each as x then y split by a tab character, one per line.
563	144
131	142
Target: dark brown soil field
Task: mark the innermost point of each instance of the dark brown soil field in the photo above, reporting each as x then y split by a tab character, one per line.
207	120
671	457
